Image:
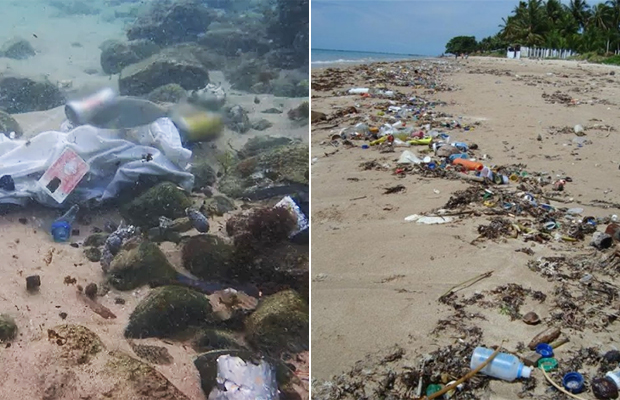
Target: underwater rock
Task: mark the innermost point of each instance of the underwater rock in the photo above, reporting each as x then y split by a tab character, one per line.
198	219
171	65
93	254
236	118
8	124
74	7
163	200
290	31
300	113
212	97
219	205
250	72
287	164
208	257
8	328
17	48
166	24
280	323
170	93
204	174
153	354
231	40
261	144
215	339
143	48
139	266
168	310
116	55
96	239
262	124
22	95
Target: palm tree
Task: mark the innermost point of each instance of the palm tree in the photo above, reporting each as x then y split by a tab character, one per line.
581	12
527	25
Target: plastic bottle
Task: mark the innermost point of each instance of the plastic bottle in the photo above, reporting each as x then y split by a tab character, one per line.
61	228
468	164
614	376
504	366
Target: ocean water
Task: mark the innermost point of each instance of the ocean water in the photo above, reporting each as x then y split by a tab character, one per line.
323	57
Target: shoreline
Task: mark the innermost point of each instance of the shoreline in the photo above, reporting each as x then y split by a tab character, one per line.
391	273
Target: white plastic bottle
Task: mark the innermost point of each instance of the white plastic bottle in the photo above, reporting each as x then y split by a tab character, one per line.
504	366
614	376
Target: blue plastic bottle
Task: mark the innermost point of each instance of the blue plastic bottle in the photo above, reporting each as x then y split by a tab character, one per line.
61	228
503	366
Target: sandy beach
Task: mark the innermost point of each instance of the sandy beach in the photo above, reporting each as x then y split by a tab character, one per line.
376	279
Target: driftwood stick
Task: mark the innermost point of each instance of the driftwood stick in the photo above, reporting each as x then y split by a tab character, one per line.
561	389
468	376
466	284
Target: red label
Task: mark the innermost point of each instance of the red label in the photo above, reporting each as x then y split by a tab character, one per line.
64	175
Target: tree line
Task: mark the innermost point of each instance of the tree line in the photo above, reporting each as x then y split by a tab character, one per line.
576	25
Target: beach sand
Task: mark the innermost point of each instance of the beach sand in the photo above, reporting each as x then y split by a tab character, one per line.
26	247
377	279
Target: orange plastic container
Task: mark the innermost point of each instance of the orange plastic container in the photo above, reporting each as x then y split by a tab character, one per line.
470	165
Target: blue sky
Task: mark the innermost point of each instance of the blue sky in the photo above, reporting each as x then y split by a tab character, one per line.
403	26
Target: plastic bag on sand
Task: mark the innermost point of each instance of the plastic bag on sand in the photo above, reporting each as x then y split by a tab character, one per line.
424	220
241	380
116	158
409	158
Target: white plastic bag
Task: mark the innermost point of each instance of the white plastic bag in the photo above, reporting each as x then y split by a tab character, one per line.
117	158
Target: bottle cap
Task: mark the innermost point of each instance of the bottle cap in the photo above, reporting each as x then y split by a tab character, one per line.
615	378
544	349
61	231
526	372
547	364
573	382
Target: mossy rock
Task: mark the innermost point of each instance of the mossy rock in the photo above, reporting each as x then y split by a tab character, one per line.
215	339
283	164
93	254
17	48
80	343
209	257
164	199
8	124
300	113
261	144
145	380
204	174
8	328
170	93
96	239
280	323
138	266
286	164
169	310
219	205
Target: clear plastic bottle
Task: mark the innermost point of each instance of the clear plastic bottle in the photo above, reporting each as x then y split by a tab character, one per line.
61	228
504	366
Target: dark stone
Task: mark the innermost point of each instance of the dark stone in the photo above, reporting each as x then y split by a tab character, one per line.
166	24
7	183
91	290
17	48
93	254
8	124
22	95
162	200
143	48
33	282
262	124
262	144
208	257
116	55
172	65
204	174
169	310
63	315
215	339
96	239
8	328
272	110
220	205
119	300
230	40
250	72
236	118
